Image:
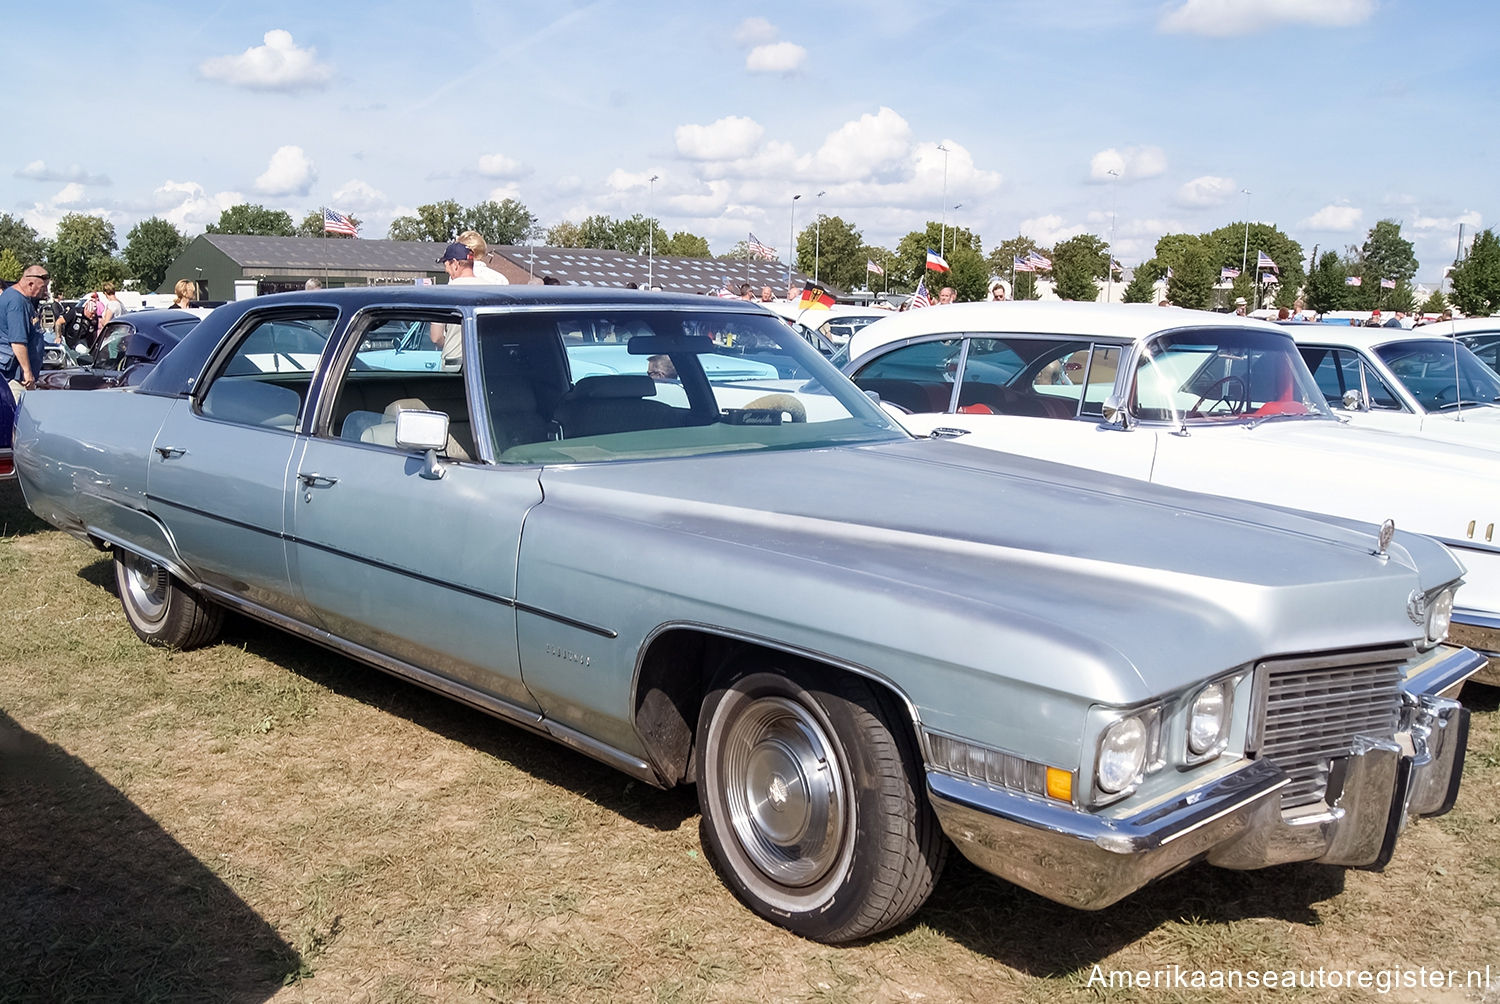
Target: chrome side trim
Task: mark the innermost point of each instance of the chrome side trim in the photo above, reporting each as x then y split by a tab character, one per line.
170	563
632	765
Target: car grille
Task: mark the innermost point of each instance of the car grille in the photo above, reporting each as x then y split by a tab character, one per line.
1315	705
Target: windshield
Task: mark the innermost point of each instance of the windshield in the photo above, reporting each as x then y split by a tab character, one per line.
573	386
1441	374
1217	375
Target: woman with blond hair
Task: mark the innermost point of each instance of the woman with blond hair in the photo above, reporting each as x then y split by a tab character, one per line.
475	242
186	291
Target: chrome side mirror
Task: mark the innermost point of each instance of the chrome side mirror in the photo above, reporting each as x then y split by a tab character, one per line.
1354	400
1115	413
424	430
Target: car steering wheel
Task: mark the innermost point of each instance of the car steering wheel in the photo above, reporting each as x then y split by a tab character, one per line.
1219	391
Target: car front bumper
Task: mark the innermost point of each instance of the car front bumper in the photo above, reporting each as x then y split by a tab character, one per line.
1479	631
1233	818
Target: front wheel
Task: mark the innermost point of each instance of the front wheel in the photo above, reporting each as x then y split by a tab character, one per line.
812	801
161	610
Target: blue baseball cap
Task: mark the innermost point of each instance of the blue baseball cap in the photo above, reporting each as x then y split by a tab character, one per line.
456	252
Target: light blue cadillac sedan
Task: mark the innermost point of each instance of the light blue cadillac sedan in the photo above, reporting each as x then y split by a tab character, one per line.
724	565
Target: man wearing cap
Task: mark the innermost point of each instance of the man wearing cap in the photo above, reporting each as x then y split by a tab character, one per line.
21	338
1239	306
1374	320
458	262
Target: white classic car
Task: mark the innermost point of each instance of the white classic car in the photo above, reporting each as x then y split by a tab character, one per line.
1208	402
1418	382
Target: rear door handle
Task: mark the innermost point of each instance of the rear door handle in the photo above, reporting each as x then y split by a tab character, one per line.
947	432
317	480
168	452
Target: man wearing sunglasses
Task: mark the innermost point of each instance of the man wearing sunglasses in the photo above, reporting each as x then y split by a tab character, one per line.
21	342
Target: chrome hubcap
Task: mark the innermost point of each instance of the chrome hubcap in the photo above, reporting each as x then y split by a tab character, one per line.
146	582
786	793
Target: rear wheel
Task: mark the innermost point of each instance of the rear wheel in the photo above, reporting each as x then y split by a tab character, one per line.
161	610
813	810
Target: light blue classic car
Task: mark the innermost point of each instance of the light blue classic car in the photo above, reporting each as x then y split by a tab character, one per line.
862	648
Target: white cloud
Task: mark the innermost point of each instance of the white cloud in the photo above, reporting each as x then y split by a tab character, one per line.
1469	218
730	138
276	66
71	195
288	173
1206	191
497	165
1223	18
38	171
1130	164
755	31
1339	219
355	196
186	205
778	57
503	192
860	148
1050	229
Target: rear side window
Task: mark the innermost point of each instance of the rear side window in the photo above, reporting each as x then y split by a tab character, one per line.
918	377
264	378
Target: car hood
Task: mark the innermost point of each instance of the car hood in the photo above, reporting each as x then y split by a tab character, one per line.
1172	585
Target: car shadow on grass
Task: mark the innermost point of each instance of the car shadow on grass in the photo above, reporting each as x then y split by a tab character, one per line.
541	757
15	519
100	903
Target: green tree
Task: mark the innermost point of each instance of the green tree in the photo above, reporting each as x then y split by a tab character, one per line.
1436	303
10	266
1193	276
686	245
1001	262
1326	288
740	251
1142	285
256	220
1227	246
597	231
1388	255
1476	279
636	235
1403	297
834	249
106	268
405	228
505	222
1076	263
80	240
150	248
969	275
441	221
565	235
312	226
18	238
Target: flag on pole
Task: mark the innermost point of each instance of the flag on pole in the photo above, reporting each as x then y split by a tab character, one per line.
920	297
870	266
1021	264
338	223
1114	264
815	297
1263	260
1228	272
763	251
1387	283
724	292
936	262
1353	280
1169	273
1039	262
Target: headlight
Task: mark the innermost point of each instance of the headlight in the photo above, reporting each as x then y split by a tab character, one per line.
1122	754
1439	616
1208	718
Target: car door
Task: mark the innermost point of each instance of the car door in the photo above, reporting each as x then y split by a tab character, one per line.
218	468
391	558
1338	370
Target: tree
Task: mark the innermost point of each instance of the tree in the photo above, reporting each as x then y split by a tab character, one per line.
739	252
1388	255
441	221
834	249
80	240
565	235
150	248
1076	263
1227	246
1326	288
1193	276
504	222
1436	303
105	268
1142	285
1403	297
255	220
22	241
405	228
1476	279
686	245
10	266
1001	262
312	226
969	275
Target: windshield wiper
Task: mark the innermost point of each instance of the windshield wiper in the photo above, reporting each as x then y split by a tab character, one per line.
1465	403
1252	423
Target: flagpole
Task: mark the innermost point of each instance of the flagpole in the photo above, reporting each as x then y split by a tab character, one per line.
791	244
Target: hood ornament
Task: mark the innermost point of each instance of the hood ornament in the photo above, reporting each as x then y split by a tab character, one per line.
1387	531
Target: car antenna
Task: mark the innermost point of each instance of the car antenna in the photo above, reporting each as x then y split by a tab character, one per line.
1458	385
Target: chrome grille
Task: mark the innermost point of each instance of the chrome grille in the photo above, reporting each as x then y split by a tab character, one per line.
1315	705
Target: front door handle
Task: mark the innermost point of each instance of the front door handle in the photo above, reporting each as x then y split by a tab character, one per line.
317	480
947	432
168	452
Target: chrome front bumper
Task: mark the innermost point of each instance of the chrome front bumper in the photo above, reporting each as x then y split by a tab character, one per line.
1234	818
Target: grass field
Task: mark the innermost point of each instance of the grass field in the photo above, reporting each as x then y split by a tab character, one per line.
261	819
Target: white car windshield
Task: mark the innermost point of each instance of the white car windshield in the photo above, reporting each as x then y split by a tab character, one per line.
1218	375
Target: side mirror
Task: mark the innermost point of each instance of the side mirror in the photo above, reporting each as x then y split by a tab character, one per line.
1354	400
1115	413
424	430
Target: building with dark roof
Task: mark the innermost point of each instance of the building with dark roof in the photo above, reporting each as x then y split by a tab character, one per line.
278	264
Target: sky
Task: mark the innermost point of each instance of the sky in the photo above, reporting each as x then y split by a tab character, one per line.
1004	117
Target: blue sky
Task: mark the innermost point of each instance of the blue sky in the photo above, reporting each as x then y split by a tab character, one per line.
1332	113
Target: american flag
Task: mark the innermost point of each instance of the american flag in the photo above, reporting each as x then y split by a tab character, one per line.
920	297
1114	264
1353	280
1038	261
1169	273
1228	272
1021	264
870	266
755	247
1387	283
338	223
1263	260
724	292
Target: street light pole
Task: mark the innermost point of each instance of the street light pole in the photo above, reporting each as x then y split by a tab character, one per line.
531	239
1109	264
791	244
1245	250
818	235
651	234
943	233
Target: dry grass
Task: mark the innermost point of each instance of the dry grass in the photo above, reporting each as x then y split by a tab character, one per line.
262	819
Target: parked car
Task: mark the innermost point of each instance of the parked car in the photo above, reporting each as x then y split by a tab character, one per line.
123	351
1207	402
859	646
835	323
1419	383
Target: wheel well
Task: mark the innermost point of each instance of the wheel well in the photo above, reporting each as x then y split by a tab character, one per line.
676	671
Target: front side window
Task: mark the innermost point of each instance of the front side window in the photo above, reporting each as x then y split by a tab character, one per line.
264	380
1337	371
918	377
1215	375
1441	374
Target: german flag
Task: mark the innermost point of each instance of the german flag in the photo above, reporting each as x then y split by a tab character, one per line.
815	297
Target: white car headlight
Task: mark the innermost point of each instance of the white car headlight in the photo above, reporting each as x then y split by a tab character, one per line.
1208	718
1122	754
1439	616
